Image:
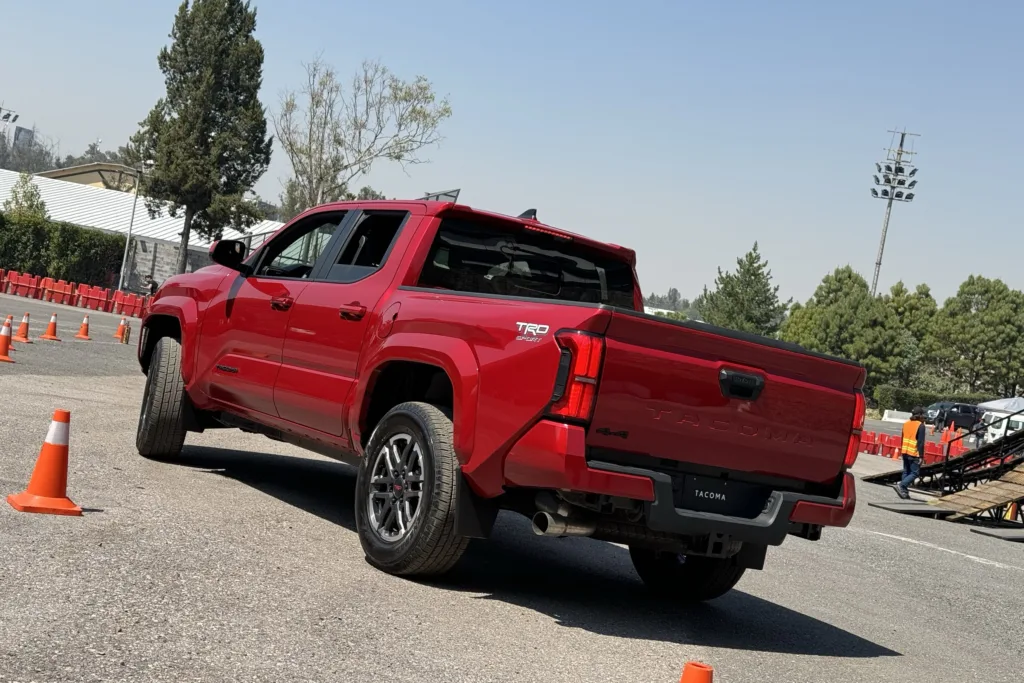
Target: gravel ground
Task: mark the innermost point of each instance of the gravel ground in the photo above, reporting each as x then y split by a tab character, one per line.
239	563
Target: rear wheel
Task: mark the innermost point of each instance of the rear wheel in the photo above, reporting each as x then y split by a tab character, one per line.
406	491
161	430
686	578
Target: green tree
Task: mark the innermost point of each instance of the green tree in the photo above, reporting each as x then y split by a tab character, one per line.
843	319
745	300
332	135
25	199
208	136
915	310
977	339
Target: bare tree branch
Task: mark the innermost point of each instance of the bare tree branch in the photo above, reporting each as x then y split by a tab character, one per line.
333	135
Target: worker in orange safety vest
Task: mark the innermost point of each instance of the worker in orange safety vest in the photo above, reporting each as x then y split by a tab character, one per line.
912	450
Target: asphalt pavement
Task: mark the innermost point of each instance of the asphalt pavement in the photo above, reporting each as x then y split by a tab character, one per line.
239	563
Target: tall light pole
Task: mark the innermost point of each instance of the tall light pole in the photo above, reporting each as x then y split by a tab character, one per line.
137	172
7	117
896	181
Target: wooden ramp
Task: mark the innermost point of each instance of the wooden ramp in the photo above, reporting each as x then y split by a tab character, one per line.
1003	534
917	508
1008	489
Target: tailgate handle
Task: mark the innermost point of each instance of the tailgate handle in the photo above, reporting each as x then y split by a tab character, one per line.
742	385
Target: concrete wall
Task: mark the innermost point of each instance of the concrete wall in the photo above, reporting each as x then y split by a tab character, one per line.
159	259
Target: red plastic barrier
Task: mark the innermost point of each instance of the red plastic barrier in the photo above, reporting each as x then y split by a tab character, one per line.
869	442
3	281
25	285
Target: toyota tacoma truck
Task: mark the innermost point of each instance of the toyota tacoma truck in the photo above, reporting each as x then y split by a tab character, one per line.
468	362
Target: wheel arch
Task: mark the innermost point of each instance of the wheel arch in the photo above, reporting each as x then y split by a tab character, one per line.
175	319
439	369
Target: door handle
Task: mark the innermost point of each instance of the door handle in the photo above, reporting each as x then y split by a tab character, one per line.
281	303
352	311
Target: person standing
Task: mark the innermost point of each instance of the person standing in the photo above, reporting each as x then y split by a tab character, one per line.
912	450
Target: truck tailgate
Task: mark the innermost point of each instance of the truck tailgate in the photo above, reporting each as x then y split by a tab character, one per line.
689	393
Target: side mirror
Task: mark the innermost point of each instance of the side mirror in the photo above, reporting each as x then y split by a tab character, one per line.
230	254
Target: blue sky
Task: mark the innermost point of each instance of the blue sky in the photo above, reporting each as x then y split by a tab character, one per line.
685	130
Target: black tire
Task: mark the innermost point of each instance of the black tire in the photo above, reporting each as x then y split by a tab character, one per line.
430	545
686	578
161	431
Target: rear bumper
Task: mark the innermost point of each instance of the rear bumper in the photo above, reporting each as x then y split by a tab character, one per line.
553	456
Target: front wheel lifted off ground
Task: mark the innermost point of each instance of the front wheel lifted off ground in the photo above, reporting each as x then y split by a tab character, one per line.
161	432
406	492
686	578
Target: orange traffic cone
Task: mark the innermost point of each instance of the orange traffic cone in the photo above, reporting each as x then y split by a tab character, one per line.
47	490
10	320
51	330
695	672
5	343
22	335
120	328
83	331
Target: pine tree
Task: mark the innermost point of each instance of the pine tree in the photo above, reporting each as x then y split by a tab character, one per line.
843	319
207	138
745	300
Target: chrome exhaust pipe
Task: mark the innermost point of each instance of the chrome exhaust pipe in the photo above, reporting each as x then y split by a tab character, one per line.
547	524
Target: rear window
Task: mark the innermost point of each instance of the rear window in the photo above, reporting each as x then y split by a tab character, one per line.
507	260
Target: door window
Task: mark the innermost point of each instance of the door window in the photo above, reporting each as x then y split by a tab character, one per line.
293	253
368	247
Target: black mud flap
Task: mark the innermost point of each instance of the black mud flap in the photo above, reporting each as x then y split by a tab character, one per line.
751	556
474	516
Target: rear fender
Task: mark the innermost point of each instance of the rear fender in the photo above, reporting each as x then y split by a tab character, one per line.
454	356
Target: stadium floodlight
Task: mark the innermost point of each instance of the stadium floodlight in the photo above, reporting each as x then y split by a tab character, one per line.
894	183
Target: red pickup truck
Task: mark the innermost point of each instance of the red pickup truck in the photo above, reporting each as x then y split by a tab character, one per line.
469	362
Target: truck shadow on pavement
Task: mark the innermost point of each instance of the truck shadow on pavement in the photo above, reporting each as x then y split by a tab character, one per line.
580	583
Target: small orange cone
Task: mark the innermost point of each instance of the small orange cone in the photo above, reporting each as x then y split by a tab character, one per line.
5	343
83	331
22	335
120	328
695	672
51	330
10	319
47	490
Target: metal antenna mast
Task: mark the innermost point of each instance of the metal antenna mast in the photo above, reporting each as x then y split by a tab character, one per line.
897	175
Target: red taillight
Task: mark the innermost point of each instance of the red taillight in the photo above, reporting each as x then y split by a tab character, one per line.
548	231
858	412
853	447
575	398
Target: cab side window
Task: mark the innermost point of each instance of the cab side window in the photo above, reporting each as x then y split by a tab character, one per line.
293	253
368	246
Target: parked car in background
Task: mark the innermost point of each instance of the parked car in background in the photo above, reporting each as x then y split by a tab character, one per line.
932	411
999	423
957	415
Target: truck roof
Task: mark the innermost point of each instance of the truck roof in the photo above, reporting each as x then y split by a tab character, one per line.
437	208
